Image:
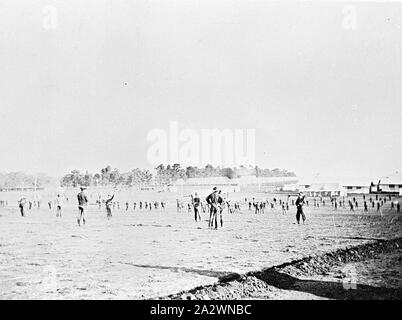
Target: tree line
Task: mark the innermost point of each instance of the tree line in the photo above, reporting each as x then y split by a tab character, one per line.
9	180
163	175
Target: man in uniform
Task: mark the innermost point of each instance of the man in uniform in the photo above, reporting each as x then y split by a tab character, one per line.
196	204
300	201
82	203
21	203
221	203
59	203
212	201
107	205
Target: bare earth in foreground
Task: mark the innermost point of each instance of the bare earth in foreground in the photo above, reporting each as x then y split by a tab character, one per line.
149	254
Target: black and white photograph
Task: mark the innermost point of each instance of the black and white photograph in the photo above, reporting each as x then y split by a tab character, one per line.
202	150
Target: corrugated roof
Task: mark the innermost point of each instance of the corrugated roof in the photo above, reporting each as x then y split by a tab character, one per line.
356	183
256	180
316	187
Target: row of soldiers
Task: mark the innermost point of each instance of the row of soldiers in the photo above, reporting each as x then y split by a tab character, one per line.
232	207
146	205
377	204
24	203
215	204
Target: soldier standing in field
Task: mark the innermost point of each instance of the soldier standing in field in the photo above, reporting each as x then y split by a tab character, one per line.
221	203
283	208
212	201
300	201
196	204
82	203
59	203
107	205
21	203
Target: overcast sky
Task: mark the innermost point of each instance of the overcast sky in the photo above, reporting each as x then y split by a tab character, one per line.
324	93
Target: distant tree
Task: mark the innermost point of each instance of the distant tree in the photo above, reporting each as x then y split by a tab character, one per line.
97	178
257	171
105	172
191	172
87	179
229	172
160	168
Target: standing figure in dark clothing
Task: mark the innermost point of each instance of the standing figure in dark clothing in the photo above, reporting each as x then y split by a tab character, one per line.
59	204
256	207
21	203
107	205
82	203
262	207
196	205
221	203
379	208
283	208
212	201
299	205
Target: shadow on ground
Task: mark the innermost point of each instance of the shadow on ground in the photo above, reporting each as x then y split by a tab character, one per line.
223	276
328	289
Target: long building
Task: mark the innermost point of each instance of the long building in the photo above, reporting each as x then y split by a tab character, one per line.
356	187
391	184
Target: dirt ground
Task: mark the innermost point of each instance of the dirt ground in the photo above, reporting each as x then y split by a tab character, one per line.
151	254
370	272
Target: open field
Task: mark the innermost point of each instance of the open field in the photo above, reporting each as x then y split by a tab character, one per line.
370	271
148	254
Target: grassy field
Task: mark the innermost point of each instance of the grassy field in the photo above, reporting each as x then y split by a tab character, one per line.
147	254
